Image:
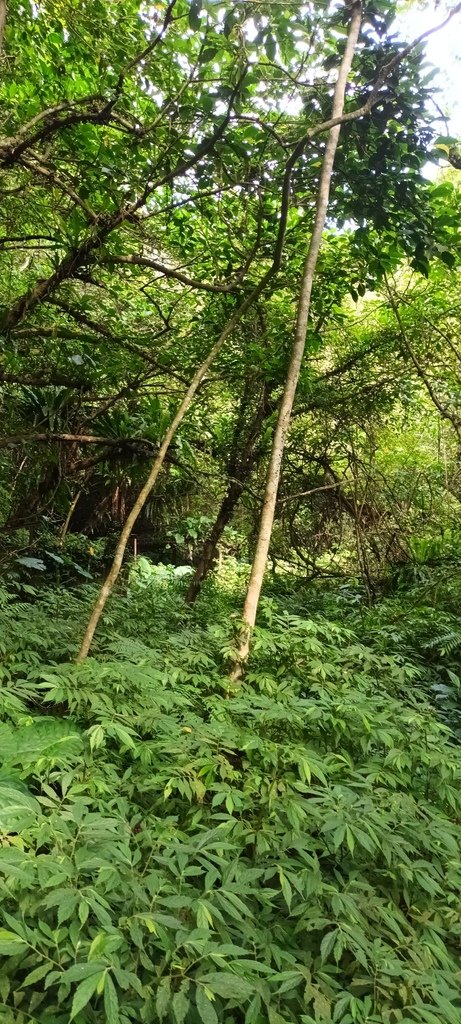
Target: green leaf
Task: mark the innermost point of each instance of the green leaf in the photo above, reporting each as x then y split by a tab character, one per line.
110	1001
327	944
31	563
163	997
77	972
18	809
180	1006
270	46
227	985
206	56
205	1007
286	888
67	906
274	1017
229	21
449	258
350	839
11	944
84	992
194	11
37	975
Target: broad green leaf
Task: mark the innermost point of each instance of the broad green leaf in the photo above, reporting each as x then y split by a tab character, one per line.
180	1006
37	974
194	11
163	998
10	943
18	809
110	1001
83	993
327	944
227	985
205	1007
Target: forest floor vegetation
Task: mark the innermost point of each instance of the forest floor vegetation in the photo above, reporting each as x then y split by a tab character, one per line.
288	851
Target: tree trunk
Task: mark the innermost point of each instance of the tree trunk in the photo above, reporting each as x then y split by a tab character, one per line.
239	469
209	552
2	23
286	406
145	491
143	495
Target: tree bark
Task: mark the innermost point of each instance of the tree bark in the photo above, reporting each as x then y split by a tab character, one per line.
145	491
2	23
286	406
209	552
240	466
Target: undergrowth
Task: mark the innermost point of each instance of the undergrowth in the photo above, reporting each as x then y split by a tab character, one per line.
173	852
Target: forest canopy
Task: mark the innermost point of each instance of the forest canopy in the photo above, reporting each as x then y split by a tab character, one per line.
229	494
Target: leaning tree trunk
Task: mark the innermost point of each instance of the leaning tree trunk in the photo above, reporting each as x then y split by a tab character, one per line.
145	491
239	469
2	22
286	405
208	554
183	408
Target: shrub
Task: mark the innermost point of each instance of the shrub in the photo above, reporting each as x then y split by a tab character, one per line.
172	852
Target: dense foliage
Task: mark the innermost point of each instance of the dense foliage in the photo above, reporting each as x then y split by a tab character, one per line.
147	153
291	853
187	836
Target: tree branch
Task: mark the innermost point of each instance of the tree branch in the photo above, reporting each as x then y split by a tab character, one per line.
113	442
45	380
177	275
64	115
84	252
34	164
306	494
441	408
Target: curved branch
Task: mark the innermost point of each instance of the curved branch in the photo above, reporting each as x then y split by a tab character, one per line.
177	275
64	115
34	164
306	494
85	251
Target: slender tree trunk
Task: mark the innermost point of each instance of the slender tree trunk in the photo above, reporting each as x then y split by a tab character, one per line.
143	495
209	552
286	406
242	461
2	23
288	397
145	491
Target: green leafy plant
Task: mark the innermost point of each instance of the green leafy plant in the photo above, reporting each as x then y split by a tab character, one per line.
170	854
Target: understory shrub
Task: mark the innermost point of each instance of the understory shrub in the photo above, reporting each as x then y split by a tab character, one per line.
175	851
